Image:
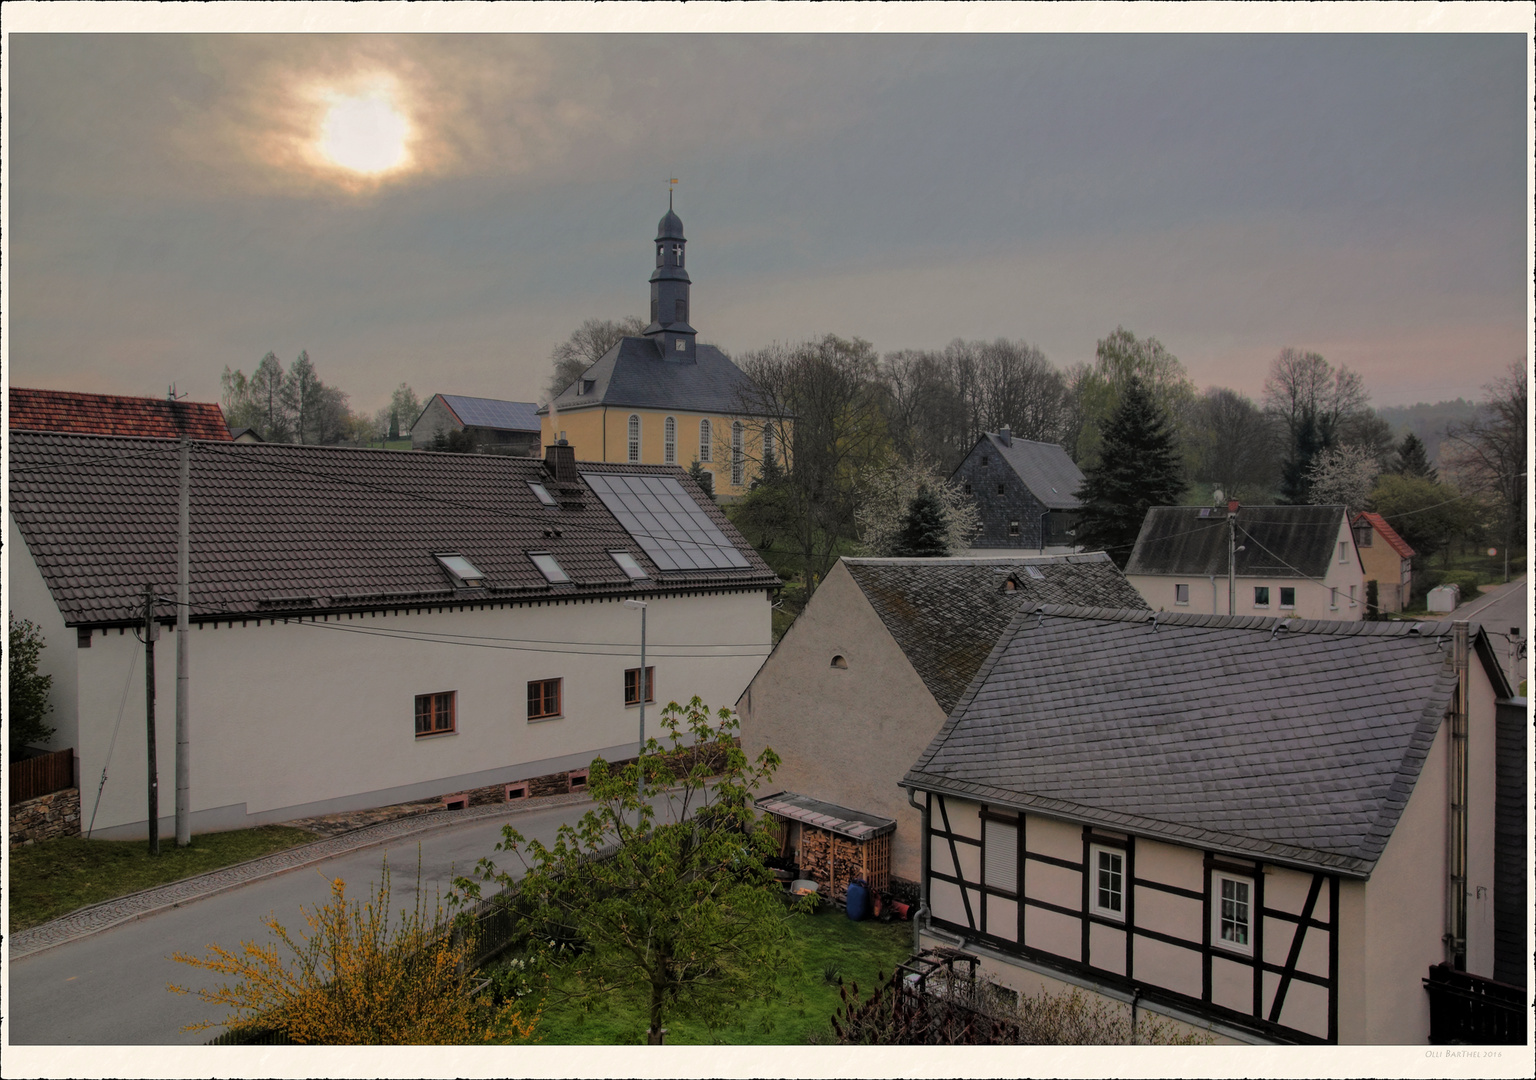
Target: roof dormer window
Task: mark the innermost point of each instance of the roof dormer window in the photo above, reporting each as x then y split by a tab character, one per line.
628	564
464	574
543	493
549	567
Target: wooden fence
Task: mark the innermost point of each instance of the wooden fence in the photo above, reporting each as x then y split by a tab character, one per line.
42	775
1466	1008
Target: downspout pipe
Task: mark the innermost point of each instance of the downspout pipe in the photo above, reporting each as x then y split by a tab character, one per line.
1456	833
922	903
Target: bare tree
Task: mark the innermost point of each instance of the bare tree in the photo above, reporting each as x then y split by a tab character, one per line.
1488	454
1233	445
266	389
822	401
1302	384
585	347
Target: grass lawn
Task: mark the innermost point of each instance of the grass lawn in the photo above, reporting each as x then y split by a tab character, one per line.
55	877
802	1010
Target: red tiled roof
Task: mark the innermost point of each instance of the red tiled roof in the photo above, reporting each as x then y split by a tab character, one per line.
1388	533
111	414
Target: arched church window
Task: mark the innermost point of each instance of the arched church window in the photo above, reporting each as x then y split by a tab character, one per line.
704	440
669	441
738	459
634	437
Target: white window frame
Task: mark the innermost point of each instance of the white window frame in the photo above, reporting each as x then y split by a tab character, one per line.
1244	948
634	437
1287	606
738	454
1333	598
767	441
1354	601
1343	552
988	824
706	440
1256	589
1181	594
1094	851
669	441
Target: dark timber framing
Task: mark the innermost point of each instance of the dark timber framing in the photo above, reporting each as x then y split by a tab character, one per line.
1259	1018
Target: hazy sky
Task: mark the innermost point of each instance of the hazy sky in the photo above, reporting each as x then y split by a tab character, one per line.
169	210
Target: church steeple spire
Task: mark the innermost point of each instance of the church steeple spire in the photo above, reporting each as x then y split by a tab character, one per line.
669	291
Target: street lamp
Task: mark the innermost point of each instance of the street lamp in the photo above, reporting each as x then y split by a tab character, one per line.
641	688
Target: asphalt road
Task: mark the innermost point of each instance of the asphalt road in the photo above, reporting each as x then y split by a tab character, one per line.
1500	609
110	987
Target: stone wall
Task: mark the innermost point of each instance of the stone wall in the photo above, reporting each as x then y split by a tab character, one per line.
46	817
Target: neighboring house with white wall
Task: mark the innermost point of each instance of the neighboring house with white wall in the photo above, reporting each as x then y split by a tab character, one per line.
1244	826
866	675
1288	561
368	627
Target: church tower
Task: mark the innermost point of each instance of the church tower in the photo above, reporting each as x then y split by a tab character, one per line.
669	293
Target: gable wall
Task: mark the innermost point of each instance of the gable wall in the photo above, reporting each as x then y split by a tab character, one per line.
434	418
1017	503
846	736
602	434
28	597
289	720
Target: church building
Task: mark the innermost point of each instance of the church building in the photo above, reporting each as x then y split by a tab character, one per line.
663	398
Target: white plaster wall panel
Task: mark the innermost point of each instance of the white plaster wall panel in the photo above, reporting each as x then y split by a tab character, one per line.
27	595
1353	993
1106	948
1166	913
964	817
1054	884
944	897
1053	933
970	861
1231	984
1057	839
1286	890
1003	918
289	714
1168	966
846	735
1306	1008
1170	864
940	861
1405	913
1313	600
1314	954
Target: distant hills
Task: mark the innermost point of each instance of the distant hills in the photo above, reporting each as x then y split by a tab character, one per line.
1428	421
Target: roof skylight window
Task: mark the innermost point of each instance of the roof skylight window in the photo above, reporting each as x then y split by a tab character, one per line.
465	575
627	564
543	493
549	568
1034	572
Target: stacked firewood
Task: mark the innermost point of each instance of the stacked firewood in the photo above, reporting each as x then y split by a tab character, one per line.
832	861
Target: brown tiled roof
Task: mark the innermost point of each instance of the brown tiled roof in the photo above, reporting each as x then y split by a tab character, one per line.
281	529
1387	533
111	414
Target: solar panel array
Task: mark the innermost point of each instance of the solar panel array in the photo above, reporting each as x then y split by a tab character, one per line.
671	528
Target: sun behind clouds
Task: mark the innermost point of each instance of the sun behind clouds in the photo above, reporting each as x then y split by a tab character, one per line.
364	132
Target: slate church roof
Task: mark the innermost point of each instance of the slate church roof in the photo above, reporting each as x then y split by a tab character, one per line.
1277	541
112	414
279	529
1299	745
947	614
635	374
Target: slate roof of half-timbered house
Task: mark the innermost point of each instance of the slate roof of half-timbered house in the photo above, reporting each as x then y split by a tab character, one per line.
280	529
1296	745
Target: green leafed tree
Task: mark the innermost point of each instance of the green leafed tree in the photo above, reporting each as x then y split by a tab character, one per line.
266	390
674	907
241	409
924	530
29	688
1139	466
1096	391
1427	514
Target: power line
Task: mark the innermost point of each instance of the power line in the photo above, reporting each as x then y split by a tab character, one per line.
628	650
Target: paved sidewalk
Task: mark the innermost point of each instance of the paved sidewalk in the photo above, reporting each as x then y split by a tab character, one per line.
122	909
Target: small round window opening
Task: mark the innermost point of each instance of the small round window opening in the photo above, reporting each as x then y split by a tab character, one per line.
840	661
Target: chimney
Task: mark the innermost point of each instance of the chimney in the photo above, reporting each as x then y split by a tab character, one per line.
1232	507
1005	435
560	460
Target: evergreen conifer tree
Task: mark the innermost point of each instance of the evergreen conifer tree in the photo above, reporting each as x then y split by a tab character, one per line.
1412	460
1138	467
1296	473
924	532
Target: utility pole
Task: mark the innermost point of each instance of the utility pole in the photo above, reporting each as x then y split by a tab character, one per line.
150	632
1232	557
183	599
640	683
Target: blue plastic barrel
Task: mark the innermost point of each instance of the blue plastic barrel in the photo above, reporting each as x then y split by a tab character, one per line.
858	900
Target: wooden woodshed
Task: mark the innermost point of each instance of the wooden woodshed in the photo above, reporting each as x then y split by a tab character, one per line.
832	844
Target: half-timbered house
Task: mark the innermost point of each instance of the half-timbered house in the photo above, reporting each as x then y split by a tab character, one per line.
1268	830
